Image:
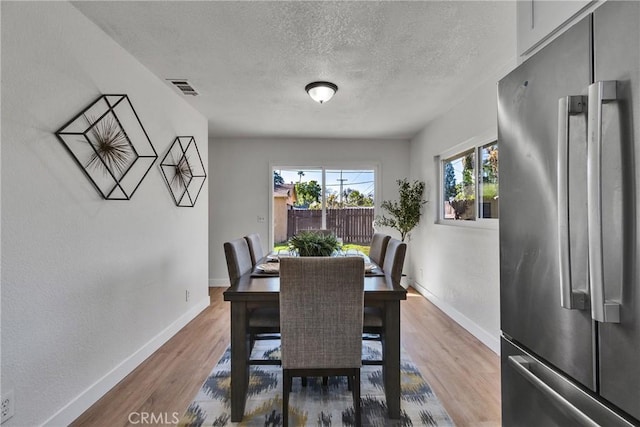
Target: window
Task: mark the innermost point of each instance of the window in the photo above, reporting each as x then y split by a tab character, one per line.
488	180
337	199
469	183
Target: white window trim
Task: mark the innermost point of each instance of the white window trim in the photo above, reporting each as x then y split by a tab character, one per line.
474	143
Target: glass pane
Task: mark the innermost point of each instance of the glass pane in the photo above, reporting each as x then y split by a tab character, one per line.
349	197
307	184
459	187
488	177
297	202
350	188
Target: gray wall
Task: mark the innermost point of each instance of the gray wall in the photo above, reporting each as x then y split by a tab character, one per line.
456	265
90	287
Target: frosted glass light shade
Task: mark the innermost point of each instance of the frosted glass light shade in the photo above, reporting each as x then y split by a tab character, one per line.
321	92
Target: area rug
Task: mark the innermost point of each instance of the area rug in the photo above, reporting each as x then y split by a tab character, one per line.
314	404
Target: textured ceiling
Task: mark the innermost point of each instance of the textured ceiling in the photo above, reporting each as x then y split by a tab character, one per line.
397	64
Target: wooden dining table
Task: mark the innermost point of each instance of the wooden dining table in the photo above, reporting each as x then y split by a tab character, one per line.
263	289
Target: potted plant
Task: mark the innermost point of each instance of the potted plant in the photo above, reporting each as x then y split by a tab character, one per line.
403	215
313	243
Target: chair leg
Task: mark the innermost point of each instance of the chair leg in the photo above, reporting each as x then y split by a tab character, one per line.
286	388
325	381
356	398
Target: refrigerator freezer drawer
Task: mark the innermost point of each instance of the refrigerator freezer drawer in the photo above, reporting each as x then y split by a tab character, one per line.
533	394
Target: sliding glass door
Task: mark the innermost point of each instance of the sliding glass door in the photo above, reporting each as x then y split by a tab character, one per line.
337	199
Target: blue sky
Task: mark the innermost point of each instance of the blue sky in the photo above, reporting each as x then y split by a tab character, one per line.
361	180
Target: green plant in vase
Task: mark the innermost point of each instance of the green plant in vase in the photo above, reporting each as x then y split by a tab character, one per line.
312	243
404	214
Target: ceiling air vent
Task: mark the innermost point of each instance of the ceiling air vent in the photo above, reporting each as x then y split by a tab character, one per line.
184	86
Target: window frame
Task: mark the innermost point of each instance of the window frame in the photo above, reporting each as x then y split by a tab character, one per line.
474	144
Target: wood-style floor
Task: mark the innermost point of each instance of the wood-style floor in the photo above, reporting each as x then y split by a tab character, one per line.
464	374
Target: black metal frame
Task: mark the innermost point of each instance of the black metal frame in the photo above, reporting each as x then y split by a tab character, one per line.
139	148
170	163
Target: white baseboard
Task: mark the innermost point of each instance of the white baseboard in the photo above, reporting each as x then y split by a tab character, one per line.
218	283
84	400
493	342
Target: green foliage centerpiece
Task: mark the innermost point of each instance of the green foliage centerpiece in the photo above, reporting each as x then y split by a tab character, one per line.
405	214
313	243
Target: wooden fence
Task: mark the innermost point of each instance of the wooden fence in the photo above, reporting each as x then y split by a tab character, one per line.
352	225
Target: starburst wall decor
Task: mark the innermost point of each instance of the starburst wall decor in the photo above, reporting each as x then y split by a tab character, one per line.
110	145
183	171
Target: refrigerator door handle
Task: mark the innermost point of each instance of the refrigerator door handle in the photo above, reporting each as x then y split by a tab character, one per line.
601	309
523	365
569	298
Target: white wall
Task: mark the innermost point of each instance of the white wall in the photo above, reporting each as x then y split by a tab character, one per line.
89	287
460	265
241	181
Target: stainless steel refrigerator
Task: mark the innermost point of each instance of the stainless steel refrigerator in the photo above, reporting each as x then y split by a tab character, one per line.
569	140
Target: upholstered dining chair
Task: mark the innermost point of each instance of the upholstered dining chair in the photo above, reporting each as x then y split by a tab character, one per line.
321	312
394	259
262	319
238	258
255	247
373	316
378	248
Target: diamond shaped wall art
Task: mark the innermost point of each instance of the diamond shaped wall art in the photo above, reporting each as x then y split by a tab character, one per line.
184	171
110	145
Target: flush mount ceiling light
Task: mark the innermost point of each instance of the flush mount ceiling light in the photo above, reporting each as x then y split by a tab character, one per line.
321	92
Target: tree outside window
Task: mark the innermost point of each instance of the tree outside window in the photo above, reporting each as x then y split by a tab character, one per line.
488	188
459	201
308	193
470	184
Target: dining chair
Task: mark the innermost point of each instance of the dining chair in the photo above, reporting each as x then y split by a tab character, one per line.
321	312
374	316
378	247
255	247
261	319
238	258
394	259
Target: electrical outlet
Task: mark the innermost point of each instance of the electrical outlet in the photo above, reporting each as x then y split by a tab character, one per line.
261	219
7	406
187	295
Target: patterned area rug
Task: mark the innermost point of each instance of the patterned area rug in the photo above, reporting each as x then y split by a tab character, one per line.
315	404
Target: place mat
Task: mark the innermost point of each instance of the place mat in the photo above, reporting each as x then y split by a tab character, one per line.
269	268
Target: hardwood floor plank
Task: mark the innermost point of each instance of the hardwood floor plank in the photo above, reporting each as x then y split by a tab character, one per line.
167	381
464	374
